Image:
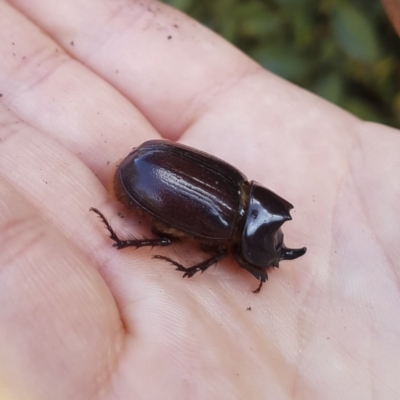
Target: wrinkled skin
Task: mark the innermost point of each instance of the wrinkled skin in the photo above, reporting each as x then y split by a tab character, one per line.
82	82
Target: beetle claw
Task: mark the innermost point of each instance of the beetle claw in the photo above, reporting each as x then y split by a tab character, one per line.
259	288
179	267
188	271
202	266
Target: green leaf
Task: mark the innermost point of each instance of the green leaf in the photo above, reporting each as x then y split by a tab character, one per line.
257	21
180	4
330	87
295	3
355	34
362	109
282	62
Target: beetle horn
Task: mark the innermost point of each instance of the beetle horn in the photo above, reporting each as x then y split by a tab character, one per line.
291	254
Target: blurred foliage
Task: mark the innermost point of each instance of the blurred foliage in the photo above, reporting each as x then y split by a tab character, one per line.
345	51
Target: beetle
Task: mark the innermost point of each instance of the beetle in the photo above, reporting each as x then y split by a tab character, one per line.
187	193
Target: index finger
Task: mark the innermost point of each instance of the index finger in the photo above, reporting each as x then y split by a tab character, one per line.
167	65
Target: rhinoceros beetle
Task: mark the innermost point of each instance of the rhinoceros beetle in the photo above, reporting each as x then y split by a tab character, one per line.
187	193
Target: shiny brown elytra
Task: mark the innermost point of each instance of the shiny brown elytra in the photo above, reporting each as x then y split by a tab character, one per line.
190	194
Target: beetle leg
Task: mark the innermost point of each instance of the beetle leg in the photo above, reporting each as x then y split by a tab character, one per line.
259	286
120	244
202	266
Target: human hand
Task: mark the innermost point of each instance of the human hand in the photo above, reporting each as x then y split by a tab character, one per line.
83	83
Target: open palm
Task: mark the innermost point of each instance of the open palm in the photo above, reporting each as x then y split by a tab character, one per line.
83	82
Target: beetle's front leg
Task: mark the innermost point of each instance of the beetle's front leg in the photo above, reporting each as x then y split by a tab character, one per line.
120	244
202	266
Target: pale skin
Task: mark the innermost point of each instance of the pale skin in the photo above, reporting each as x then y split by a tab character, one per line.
83	82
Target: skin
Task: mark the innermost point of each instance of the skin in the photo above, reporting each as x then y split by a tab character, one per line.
392	8
83	82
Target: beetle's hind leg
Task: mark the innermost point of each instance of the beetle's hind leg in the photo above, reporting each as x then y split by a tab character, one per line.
202	266
120	244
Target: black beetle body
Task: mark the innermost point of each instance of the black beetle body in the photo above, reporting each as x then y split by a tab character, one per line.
188	193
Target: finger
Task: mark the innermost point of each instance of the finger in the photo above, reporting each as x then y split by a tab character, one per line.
227	104
160	59
52	300
392	8
47	89
48	175
197	84
62	188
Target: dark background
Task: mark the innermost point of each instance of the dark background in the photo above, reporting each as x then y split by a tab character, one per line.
345	51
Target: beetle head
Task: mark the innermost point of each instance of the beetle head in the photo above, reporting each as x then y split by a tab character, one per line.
262	238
